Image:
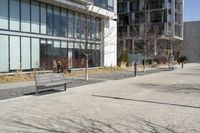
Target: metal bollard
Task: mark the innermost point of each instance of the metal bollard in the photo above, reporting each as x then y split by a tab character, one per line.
135	69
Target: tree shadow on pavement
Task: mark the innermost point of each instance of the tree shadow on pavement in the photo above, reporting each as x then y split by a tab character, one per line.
80	124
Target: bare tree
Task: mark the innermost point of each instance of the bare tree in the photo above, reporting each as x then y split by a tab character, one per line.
90	29
169	49
147	33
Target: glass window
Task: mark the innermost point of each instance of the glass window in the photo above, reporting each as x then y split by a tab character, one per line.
70	58
122	7
14	15
82	46
63	30
49	42
77	45
14	52
89	46
56	21
4	58
63	49
4	14
78	60
110	3
35	17
106	4
63	54
56	44
134	5
43	41
56	49
77	26
63	44
101	3
49	20
25	53
70	24
93	46
97	47
35	47
70	45
43	25
82	26
46	54
94	59
97	25
93	30
25	15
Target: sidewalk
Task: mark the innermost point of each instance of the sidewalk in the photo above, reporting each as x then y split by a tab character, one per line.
160	102
18	89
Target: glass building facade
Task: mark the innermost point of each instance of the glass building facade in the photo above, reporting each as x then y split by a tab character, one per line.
164	18
34	34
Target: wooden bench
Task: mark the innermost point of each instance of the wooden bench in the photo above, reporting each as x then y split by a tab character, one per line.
43	81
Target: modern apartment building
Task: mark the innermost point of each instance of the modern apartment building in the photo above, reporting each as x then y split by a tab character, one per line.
191	43
165	17
35	34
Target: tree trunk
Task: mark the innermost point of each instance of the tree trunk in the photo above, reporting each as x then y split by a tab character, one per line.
86	67
144	63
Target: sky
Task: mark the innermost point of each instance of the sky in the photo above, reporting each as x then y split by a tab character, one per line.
191	10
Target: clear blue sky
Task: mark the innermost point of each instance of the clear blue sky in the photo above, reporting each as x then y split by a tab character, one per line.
192	10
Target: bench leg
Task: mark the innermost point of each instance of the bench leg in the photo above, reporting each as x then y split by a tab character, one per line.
65	85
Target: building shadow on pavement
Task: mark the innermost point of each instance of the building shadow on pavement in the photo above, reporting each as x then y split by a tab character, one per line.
148	101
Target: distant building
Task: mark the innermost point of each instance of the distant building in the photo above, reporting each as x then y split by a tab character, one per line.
166	16
35	34
191	42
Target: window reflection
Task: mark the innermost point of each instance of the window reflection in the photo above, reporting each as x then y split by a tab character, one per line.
49	20
14	15
4	14
56	21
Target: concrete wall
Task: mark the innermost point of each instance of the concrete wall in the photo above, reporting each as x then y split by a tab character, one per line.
110	43
191	41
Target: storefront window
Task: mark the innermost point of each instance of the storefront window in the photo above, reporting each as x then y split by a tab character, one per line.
14	53
25	53
35	47
4	58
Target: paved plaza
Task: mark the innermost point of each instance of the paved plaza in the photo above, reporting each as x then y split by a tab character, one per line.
165	102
